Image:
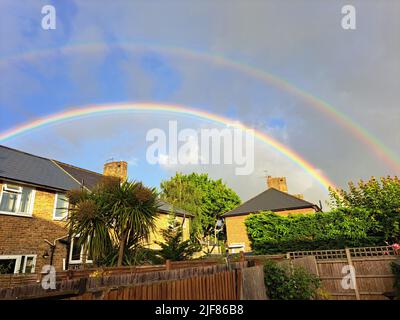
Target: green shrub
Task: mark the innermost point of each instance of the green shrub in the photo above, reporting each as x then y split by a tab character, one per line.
283	284
173	247
271	233
396	271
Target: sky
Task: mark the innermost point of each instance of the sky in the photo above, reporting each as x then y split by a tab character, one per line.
170	52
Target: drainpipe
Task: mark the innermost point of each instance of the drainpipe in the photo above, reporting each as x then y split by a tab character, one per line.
53	247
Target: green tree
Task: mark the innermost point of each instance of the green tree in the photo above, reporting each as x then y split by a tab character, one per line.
114	213
173	248
381	197
202	196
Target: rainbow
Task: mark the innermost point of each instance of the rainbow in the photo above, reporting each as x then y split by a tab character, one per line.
157	107
368	139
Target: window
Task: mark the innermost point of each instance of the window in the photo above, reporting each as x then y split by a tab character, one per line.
75	255
60	206
16	200
76	252
7	265
236	247
17	264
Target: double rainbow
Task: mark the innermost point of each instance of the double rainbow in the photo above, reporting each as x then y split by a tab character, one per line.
373	143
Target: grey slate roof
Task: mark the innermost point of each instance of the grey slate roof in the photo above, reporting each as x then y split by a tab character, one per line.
167	208
24	167
86	177
270	200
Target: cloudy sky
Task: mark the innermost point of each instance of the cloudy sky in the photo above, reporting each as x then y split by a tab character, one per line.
212	55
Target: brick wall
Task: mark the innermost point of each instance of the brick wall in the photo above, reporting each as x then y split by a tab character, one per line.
236	229
162	223
25	235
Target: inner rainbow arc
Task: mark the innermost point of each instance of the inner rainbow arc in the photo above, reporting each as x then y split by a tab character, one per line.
76	113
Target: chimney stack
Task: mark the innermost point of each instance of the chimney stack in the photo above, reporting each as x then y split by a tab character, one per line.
118	169
278	183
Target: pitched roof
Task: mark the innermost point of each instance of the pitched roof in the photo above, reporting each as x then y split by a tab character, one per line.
270	200
167	208
20	166
87	178
24	167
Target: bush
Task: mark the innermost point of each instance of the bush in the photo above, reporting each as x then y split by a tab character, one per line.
173	247
396	271
271	233
282	284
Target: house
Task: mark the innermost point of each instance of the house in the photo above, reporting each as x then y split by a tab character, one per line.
275	199
34	208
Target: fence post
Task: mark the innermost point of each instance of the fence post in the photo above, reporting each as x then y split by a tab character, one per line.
168	264
350	262
241	256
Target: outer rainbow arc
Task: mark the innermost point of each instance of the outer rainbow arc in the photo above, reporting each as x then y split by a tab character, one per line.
358	131
117	108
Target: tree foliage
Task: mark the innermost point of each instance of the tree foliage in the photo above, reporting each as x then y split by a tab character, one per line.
381	197
198	194
114	216
272	233
173	247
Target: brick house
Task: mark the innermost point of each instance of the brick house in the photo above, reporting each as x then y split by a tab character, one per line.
275	199
34	208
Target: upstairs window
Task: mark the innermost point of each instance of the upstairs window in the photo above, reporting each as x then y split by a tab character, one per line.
60	206
17	200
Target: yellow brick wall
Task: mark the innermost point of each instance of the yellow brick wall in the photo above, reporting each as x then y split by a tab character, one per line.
162	223
25	235
236	229
298	211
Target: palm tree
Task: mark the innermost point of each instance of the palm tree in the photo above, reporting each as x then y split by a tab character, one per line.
113	214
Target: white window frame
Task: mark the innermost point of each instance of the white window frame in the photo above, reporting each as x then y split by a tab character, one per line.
34	262
71	261
18	259
80	255
237	246
55	209
32	200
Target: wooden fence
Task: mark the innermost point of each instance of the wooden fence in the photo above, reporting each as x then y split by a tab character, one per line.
371	265
211	280
218	286
15	280
218	281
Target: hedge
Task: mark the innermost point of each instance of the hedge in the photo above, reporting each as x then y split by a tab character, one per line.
270	233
